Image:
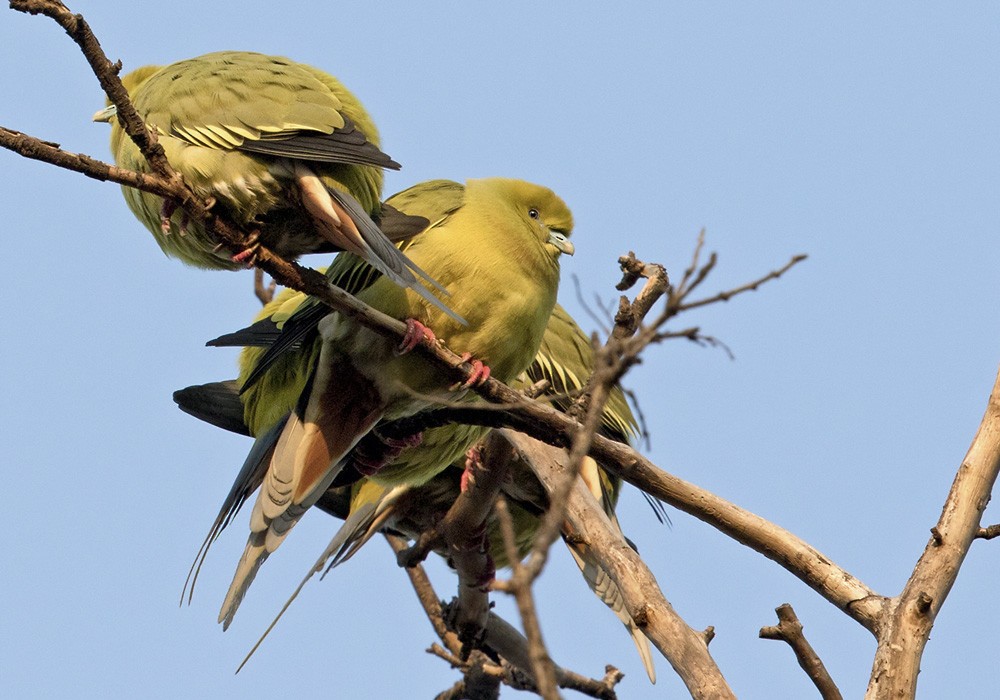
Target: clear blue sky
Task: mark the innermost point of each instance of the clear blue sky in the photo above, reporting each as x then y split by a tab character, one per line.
863	135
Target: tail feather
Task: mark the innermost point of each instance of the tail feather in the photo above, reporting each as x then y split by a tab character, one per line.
253	556
250	477
364	521
342	406
597	578
608	592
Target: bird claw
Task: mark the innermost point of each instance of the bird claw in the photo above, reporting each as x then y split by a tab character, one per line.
415	333
167	210
375	451
473	460
248	257
477	377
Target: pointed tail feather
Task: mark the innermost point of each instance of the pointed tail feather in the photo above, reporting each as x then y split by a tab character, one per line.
364	521
253	556
608	592
249	478
342	406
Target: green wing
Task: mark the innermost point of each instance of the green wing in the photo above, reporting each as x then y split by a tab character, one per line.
234	100
433	200
566	360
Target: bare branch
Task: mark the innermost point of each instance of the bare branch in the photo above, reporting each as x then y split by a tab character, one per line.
428	599
748	287
481	681
263	293
49	152
681	288
789	630
910	616
683	647
988	533
501	638
519	585
814	568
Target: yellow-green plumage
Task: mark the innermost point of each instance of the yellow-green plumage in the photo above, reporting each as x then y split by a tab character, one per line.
282	149
564	360
498	253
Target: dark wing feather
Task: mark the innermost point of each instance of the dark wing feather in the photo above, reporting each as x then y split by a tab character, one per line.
216	403
261	334
347	145
398	226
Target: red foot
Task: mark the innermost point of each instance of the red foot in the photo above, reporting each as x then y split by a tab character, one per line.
166	211
246	257
480	373
415	333
473	459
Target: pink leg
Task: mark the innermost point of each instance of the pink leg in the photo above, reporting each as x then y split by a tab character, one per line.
479	374
166	211
415	333
473	460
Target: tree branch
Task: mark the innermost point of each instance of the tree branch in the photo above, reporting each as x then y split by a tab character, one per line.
685	648
791	552
499	638
789	630
988	533
910	616
519	586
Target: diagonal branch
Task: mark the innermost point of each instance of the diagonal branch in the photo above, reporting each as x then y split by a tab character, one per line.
789	630
815	569
683	647
911	615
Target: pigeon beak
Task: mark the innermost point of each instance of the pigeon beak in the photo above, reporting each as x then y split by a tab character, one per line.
106	114
561	243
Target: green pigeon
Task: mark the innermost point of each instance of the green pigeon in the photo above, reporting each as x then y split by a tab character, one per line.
281	148
564	360
497	250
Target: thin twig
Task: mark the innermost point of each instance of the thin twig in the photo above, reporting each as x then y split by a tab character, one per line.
519	585
481	681
263	293
428	598
748	287
500	637
789	630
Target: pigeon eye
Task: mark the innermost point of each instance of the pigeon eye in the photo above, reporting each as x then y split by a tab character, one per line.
533	213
